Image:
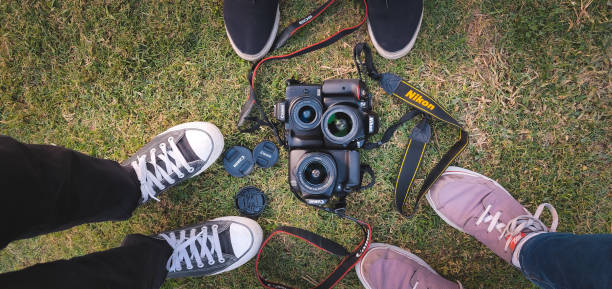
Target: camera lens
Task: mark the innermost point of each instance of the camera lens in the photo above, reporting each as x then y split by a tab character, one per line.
340	124
305	113
316	174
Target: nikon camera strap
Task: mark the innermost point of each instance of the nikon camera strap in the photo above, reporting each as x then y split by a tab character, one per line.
413	156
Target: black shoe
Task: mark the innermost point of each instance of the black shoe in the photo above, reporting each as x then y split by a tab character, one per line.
393	25
181	152
212	247
251	26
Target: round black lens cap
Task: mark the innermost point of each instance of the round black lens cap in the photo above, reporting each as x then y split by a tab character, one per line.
265	154
238	161
251	201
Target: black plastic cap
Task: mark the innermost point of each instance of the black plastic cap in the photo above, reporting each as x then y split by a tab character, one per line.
238	161
251	201
265	154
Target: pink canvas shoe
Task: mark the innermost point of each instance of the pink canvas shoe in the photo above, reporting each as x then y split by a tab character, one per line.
389	267
479	206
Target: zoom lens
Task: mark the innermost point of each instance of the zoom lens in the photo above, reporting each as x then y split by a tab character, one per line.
339	124
305	113
316	174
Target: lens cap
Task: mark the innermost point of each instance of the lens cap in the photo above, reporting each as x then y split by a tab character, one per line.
265	154
238	161
251	201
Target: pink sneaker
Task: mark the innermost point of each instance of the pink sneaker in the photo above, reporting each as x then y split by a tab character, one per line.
479	206
389	267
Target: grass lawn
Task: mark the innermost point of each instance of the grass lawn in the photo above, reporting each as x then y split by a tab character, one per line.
530	79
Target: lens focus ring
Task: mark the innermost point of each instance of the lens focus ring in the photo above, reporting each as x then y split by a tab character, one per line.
305	113
316	174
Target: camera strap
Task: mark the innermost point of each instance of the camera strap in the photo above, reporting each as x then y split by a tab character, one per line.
279	42
349	259
421	103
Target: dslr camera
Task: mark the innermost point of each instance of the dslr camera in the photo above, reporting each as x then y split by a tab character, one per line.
320	174
337	114
324	124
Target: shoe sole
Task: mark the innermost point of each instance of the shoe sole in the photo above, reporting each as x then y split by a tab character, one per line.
394	54
458	171
257	240
213	132
404	252
266	48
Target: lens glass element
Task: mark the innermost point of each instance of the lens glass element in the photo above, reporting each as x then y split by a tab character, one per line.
315	173
340	124
307	114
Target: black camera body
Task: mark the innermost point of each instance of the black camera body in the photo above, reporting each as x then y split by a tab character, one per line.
337	114
324	124
320	174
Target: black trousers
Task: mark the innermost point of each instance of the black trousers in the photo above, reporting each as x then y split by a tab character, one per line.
45	189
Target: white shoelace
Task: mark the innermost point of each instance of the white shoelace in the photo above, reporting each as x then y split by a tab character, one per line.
148	179
516	226
183	246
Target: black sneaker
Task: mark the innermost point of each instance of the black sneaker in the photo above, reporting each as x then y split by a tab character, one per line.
212	247
393	25
179	153
251	26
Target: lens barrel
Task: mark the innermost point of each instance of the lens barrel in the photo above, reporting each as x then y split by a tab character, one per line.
340	124
305	113
316	174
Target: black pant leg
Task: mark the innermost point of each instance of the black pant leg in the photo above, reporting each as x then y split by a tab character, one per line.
140	263
47	188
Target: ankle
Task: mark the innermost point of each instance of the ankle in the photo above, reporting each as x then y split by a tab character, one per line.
517	250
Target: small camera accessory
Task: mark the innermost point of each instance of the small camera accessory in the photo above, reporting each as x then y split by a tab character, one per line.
238	161
265	154
251	201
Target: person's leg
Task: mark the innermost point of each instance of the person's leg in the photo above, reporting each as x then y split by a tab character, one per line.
140	263
204	249
48	188
563	260
479	206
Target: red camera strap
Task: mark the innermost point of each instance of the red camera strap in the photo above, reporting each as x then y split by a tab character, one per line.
348	262
281	40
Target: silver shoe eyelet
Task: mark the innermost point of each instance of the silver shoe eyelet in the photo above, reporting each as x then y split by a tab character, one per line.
211	262
181	176
222	261
201	266
190	170
171	139
215	226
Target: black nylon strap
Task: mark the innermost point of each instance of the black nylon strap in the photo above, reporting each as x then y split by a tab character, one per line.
391	130
428	106
347	263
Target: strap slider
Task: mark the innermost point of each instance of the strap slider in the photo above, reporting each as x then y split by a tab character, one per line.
421	132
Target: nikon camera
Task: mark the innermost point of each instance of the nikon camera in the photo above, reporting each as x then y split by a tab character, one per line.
337	114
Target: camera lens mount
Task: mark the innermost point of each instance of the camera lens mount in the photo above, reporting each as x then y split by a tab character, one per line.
340	124
316	174
305	113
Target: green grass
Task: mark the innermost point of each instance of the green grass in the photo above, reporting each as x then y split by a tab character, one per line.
530	80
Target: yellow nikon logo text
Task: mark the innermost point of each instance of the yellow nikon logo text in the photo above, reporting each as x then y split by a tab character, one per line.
418	99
